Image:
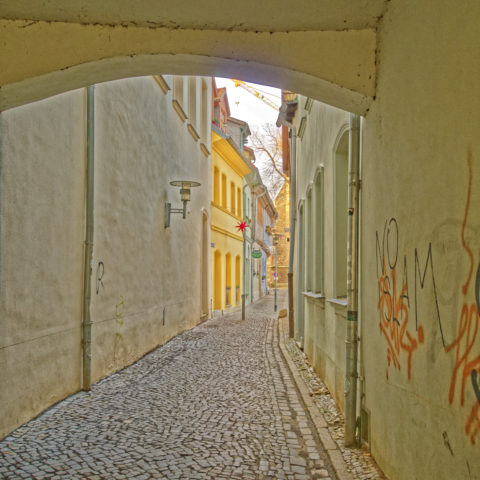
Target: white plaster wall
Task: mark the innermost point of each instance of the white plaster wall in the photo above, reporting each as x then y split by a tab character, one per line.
151	286
323	321
41	255
418	138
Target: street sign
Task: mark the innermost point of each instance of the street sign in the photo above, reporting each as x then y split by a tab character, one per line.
256	253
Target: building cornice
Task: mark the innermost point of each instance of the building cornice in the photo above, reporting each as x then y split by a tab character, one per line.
178	108
193	132
161	83
227	233
225	210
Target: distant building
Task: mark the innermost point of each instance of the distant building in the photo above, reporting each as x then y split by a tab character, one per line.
230	207
265	218
282	225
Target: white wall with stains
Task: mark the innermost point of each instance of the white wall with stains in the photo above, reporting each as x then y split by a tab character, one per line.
146	279
420	243
320	315
42	191
150	276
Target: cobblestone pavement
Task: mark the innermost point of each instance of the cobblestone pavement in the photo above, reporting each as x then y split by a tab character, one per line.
359	462
217	402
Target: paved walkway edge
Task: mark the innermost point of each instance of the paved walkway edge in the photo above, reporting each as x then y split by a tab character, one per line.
329	444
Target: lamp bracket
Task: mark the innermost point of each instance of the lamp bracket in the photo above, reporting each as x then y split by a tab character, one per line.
169	210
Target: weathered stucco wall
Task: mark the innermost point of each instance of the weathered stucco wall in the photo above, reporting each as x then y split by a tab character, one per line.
146	280
320	317
150	276
420	180
421	242
42	233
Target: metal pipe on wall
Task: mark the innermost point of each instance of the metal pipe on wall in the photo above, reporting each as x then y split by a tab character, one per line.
253	231
351	374
293	219
281	120
244	281
88	252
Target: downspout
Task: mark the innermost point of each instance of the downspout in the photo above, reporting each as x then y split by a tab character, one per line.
293	219
351	340
254	237
1	209
293	215
244	281
88	258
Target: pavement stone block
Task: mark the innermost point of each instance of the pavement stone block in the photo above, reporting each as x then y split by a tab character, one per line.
217	402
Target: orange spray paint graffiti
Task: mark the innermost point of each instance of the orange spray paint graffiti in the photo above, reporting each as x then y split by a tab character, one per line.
467	360
394	299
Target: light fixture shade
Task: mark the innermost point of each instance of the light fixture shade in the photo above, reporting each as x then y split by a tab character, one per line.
184	183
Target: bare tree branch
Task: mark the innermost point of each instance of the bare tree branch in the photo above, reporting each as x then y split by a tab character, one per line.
267	144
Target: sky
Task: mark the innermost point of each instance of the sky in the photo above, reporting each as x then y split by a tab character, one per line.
247	107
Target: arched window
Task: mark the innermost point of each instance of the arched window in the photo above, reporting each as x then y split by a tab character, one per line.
228	280
217	281
216	186
318	228
224	190
239	203
309	241
204	267
232	197
340	217
300	274
238	276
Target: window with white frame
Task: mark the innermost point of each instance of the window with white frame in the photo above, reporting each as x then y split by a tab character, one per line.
341	218
318	229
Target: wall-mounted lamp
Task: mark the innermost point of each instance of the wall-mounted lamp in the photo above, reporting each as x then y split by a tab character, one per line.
185	186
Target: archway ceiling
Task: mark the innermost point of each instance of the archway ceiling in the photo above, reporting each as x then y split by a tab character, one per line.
321	48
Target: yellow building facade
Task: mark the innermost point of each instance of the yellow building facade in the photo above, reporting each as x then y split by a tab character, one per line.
228	169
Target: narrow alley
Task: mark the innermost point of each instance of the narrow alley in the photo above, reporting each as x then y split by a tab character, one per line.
215	402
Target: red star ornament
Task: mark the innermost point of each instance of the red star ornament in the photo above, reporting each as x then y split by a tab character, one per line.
241	226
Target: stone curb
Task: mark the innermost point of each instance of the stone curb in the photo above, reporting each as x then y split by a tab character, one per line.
331	448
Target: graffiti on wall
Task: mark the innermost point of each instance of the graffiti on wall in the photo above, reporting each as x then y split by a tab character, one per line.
100	274
399	317
466	371
401	310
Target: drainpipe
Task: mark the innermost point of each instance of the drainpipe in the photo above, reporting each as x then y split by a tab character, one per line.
1	176
244	281
88	259
352	282
253	231
293	214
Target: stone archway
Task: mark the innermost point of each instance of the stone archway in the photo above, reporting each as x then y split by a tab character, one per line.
323	49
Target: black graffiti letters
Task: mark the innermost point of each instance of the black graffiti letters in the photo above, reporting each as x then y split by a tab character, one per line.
100	273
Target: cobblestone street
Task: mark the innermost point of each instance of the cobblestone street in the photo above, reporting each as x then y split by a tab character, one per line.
217	402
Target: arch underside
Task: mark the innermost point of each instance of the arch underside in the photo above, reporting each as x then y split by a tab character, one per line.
41	58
